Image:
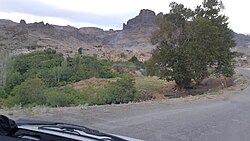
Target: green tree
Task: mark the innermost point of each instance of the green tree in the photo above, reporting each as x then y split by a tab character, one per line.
192	43
43	64
53	69
52	77
31	91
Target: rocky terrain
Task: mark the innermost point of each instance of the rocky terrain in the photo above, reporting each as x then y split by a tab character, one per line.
243	43
133	39
242	40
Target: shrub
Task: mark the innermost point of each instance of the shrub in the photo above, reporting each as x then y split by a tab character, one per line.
122	91
56	99
3	94
60	97
28	92
2	102
92	95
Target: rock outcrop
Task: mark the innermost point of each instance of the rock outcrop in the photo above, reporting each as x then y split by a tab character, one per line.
145	18
22	22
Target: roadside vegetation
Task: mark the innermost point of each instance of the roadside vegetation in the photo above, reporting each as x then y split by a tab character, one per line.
192	45
44	78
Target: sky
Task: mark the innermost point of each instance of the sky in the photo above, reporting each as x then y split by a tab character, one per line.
108	14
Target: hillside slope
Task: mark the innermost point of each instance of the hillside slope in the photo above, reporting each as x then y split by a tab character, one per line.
133	39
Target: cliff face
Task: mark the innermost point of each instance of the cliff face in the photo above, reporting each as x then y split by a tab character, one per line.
146	18
133	39
33	36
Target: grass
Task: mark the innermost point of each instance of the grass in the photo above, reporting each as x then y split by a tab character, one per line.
97	88
96	83
150	84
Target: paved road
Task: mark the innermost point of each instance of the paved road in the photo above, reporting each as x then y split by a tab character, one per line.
225	120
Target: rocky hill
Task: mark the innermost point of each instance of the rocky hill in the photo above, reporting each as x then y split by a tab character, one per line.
133	39
242	40
243	43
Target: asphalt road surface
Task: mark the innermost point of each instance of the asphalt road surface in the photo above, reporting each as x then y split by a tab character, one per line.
225	120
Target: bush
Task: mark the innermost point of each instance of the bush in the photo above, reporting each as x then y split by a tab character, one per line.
13	79
60	97
3	94
28	92
56	99
92	96
136	62
2	102
101	98
122	91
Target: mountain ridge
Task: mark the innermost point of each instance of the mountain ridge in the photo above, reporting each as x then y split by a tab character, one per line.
132	40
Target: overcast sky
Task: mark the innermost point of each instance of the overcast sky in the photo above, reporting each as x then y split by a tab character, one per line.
108	14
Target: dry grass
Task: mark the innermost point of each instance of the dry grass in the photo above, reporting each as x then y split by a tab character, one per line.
153	87
93	82
152	84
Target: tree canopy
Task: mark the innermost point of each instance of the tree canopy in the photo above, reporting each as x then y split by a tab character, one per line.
53	69
192	44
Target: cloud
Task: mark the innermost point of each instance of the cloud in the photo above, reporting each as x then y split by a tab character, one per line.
41	9
109	13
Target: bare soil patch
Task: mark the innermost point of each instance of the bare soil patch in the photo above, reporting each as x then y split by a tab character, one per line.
208	85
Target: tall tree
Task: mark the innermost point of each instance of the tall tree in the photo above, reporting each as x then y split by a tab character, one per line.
192	44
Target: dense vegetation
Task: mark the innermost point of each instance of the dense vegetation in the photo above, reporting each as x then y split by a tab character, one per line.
192	44
54	70
42	78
